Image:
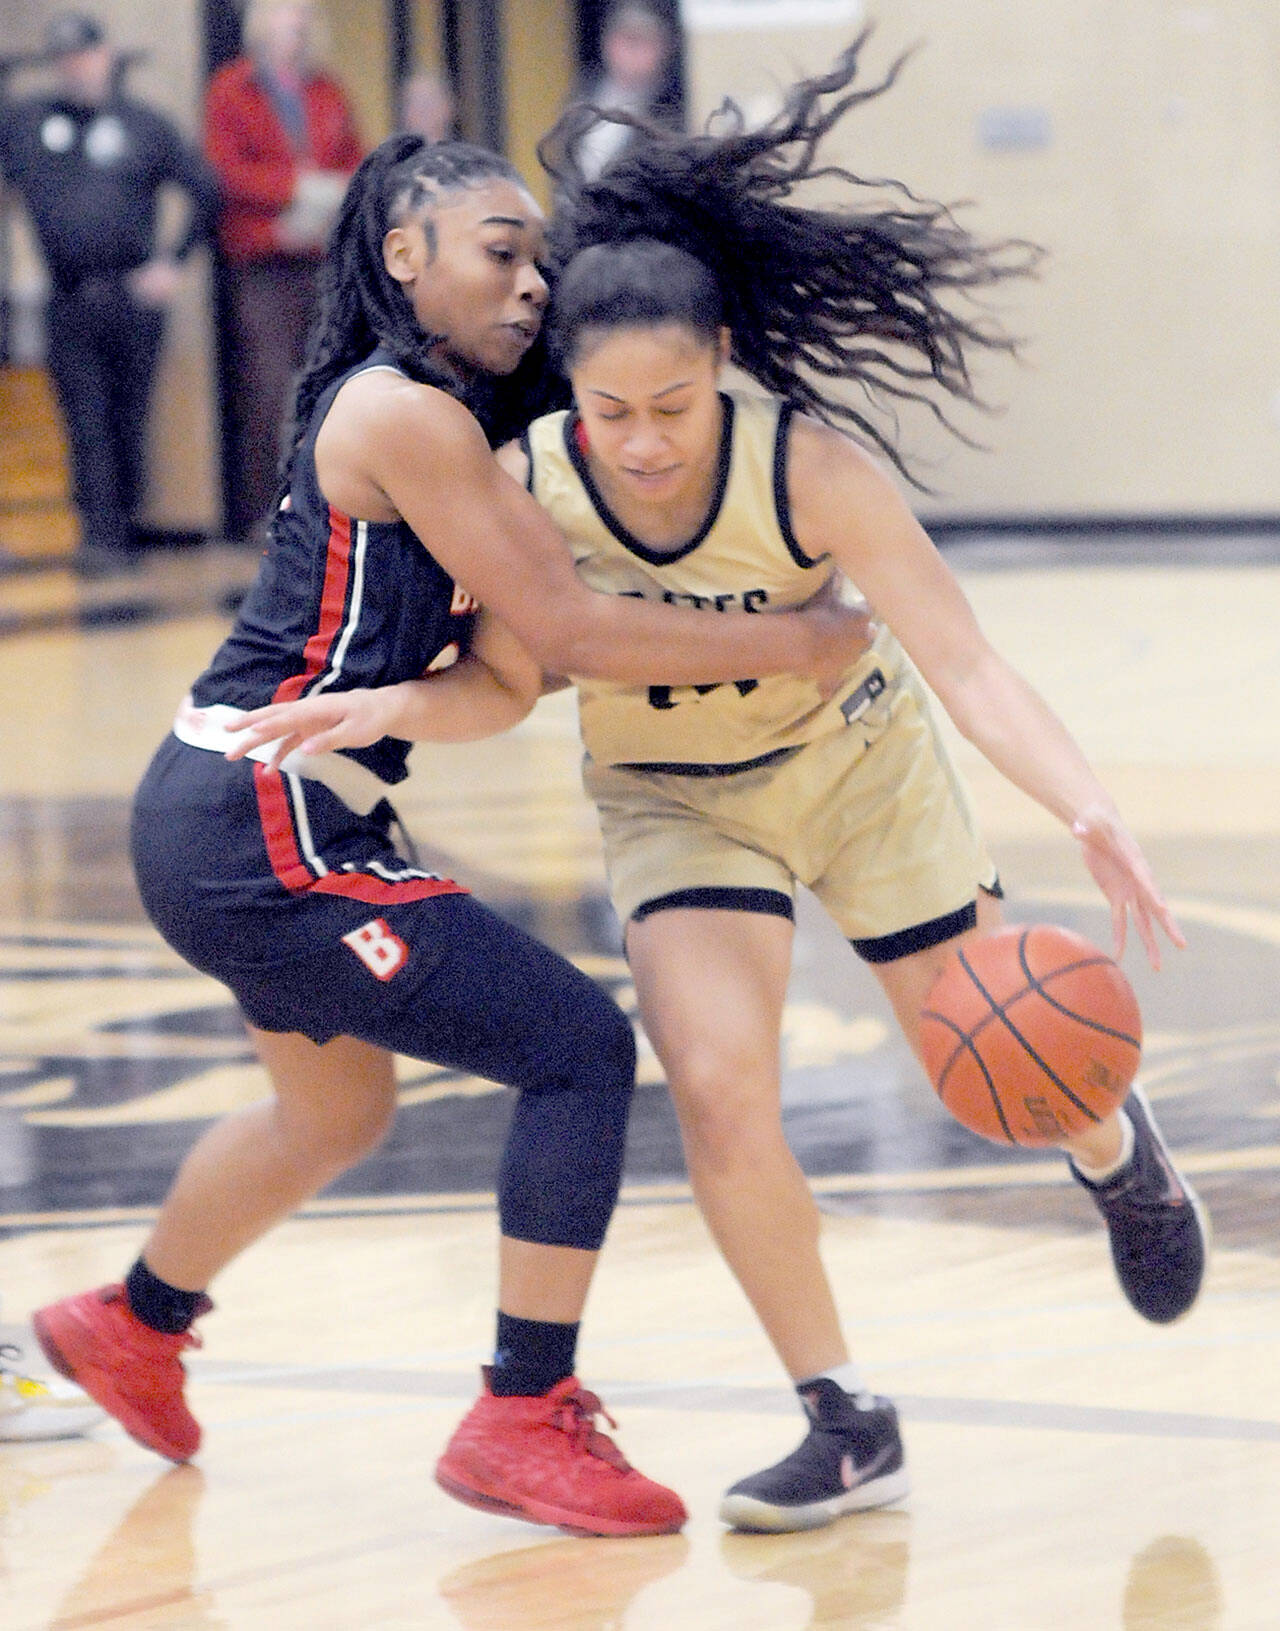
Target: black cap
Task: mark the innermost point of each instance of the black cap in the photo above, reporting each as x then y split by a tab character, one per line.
71	31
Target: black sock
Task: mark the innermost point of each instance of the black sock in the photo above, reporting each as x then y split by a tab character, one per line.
531	1356
158	1304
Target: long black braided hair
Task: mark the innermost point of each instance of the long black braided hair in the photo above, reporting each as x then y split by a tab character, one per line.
362	306
878	293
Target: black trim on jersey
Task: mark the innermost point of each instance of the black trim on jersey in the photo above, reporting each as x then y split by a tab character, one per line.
526	447
781	503
684	768
771	902
628	540
887	948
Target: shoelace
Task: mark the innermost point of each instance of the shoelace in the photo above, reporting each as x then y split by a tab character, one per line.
574	1413
1151	1182
1154	1211
175	1344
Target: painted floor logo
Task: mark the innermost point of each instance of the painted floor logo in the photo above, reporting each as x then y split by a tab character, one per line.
114	1055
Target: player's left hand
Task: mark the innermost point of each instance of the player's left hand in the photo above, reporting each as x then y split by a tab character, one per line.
1120	870
342	719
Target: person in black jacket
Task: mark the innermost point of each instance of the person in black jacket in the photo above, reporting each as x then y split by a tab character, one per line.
89	165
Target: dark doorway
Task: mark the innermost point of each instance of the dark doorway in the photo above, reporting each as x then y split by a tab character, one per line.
591	18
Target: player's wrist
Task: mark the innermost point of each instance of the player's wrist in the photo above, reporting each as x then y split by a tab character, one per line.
1089	815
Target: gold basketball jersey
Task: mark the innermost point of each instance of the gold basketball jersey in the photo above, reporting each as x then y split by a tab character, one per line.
744	557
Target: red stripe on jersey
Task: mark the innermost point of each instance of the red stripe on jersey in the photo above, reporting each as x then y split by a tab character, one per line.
333	597
363	886
276	815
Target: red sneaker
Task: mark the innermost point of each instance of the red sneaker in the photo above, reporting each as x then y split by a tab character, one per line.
97	1341
542	1459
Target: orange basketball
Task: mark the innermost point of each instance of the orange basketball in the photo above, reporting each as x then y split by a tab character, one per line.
1031	1035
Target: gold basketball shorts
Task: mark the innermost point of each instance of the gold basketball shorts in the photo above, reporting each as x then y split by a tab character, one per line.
873	819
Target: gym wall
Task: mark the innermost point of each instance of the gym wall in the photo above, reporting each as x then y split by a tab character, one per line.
1139	142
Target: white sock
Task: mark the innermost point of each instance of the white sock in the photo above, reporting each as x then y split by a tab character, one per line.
1099	1175
846	1376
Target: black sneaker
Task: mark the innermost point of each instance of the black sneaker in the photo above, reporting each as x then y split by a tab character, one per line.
851	1460
1159	1230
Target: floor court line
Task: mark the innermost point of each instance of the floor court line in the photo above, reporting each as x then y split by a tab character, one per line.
722	1399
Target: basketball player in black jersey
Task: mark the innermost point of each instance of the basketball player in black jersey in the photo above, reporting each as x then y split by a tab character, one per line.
399	558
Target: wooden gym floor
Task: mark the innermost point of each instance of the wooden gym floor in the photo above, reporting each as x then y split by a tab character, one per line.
1074	1469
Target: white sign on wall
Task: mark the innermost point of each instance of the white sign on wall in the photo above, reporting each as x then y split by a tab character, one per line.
747	16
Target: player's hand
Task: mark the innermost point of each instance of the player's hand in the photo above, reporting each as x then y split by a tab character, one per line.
843	628
1120	870
342	719
156	283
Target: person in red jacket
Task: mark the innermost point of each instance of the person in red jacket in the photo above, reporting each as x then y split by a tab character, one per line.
282	139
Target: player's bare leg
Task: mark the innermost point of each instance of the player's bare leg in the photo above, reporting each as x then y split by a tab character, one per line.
712	985
123	1343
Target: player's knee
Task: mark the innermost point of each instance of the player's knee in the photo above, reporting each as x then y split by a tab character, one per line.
723	1121
717	1081
370	1126
604	1051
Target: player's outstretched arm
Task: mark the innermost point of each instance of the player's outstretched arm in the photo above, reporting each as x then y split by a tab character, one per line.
488	691
844	502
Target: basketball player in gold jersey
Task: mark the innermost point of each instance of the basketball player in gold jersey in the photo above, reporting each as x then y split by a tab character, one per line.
716	801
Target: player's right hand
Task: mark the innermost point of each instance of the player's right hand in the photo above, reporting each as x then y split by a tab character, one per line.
843	629
1120	870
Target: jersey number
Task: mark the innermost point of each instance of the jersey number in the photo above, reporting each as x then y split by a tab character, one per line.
660	695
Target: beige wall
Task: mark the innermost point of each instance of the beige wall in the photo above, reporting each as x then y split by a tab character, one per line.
538	49
1153	366
360	56
428	36
1152	380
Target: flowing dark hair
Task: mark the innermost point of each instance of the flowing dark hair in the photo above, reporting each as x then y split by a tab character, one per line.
363	307
881	292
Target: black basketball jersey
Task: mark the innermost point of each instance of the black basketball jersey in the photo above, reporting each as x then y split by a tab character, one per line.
338	604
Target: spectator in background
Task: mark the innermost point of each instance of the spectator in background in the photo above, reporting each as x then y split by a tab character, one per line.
637	61
89	164
282	139
427	108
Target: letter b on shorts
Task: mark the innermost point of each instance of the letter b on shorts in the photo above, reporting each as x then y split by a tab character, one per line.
382	952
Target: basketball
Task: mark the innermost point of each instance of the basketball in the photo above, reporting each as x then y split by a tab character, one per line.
1031	1035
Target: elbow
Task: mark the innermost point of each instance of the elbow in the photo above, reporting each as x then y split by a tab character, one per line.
518	703
566	639
965	689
